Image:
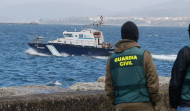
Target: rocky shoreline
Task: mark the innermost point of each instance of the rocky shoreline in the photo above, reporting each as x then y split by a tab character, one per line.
40	89
100	84
31	89
80	97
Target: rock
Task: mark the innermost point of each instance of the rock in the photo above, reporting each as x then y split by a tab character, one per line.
88	86
70	101
163	103
77	98
164	80
101	79
64	101
30	89
100	84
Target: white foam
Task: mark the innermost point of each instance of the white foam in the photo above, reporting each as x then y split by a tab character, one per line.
165	57
158	57
64	54
152	35
57	83
100	57
34	52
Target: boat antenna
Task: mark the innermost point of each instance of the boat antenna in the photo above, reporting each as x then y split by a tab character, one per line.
101	20
98	22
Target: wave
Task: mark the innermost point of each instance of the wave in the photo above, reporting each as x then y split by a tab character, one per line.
34	52
100	57
158	57
57	83
152	35
165	57
64	55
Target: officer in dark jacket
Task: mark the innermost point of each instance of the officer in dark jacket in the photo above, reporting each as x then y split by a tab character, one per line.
179	89
131	76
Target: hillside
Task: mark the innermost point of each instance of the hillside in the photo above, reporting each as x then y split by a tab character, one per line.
171	9
48	10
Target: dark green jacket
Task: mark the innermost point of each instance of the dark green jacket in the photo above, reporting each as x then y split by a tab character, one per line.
129	77
185	94
150	72
179	90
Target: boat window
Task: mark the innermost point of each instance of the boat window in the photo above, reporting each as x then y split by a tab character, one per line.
97	34
80	35
84	36
68	35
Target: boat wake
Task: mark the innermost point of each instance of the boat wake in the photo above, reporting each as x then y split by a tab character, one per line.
157	57
164	57
34	52
64	55
100	57
31	51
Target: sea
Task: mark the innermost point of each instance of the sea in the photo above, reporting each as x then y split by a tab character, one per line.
20	65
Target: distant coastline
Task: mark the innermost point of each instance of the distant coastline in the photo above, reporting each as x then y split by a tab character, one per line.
114	21
103	25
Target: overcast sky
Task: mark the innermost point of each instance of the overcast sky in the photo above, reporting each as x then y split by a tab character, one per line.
104	4
35	9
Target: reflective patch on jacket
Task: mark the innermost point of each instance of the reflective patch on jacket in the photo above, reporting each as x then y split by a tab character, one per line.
127	70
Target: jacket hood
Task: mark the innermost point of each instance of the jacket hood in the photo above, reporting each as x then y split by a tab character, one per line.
125	44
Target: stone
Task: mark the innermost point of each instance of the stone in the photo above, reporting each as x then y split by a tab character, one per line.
164	80
101	79
30	89
100	84
80	97
64	101
88	86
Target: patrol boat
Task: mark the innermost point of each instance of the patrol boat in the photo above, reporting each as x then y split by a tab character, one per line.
88	42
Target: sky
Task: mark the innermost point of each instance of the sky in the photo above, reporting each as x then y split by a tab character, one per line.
35	9
104	4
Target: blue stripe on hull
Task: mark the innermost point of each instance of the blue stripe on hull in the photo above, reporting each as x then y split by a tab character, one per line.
71	49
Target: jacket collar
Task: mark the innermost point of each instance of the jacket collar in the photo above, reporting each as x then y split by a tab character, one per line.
125	44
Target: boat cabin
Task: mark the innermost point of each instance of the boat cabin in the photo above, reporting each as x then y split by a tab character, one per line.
86	37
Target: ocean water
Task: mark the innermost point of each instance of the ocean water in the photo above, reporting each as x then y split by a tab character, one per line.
20	65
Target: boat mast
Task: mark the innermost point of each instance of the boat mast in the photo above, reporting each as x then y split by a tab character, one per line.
99	22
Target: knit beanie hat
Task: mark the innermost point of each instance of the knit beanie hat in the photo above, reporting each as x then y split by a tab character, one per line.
130	31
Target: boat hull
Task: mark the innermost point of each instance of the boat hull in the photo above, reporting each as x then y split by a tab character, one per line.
70	49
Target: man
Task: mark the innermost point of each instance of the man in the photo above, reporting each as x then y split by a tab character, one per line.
131	77
179	89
